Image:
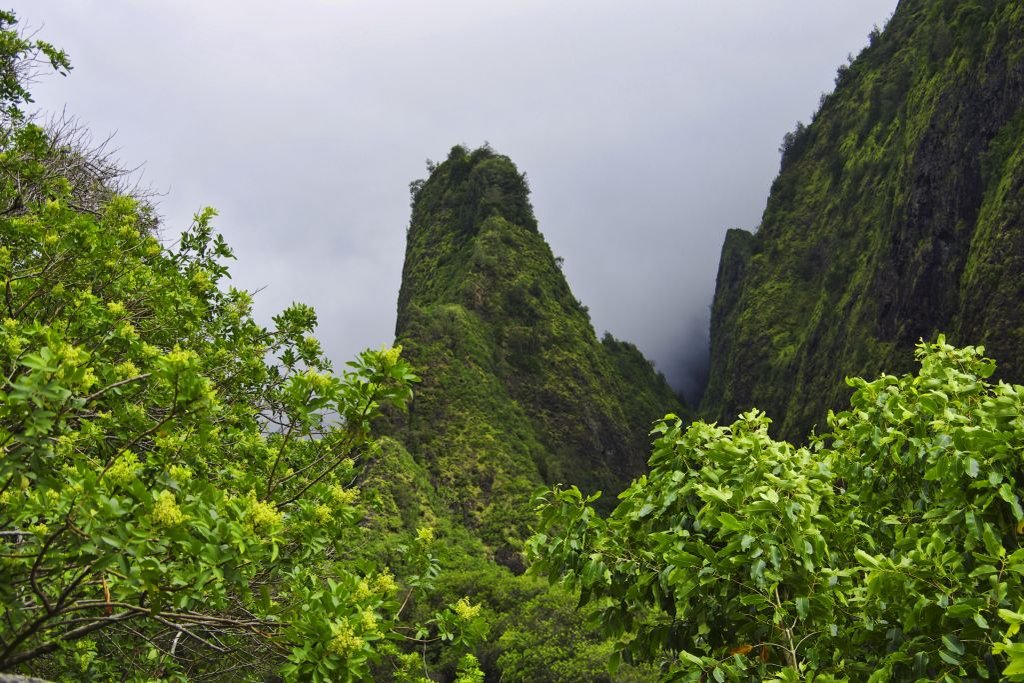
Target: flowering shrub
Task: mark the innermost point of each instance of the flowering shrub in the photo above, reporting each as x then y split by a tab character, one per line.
173	475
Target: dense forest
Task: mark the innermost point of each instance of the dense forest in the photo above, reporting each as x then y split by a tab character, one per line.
189	495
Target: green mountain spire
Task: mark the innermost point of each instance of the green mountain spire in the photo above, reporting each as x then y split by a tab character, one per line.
517	389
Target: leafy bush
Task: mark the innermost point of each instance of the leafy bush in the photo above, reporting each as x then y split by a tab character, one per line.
887	549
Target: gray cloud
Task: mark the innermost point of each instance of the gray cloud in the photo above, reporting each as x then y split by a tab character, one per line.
647	129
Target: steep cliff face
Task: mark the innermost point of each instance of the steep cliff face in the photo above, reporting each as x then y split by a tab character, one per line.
517	390
897	214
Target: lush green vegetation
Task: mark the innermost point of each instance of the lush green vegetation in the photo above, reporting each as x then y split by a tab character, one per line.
895	216
179	486
888	549
188	495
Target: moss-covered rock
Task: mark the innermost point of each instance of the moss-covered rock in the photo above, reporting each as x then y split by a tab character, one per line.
517	390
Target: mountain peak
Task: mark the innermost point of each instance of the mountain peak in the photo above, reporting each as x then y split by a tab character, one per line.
473	185
517	390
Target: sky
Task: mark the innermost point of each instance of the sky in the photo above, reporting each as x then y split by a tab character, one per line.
645	128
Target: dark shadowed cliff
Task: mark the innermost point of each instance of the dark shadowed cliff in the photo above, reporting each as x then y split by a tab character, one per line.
897	214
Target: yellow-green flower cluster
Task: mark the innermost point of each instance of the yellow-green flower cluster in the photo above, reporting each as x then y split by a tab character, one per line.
126	369
363	591
318	381
124	471
180	473
127	331
322	513
344	641
179	359
465	610
262	515
13	344
166	511
128	230
201	279
72	360
342	497
152	247
384	583
310	346
389	357
65	444
368	621
425	534
85	653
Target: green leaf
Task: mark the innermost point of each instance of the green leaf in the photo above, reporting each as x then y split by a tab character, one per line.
1011	617
803	607
865	559
112	541
614	659
972	468
729	522
952	644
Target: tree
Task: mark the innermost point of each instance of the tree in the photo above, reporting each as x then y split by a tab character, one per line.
887	549
176	482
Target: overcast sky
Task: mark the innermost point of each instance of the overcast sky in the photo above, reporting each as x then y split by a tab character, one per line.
646	129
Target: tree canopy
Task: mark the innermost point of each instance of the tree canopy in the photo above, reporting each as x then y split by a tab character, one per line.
886	549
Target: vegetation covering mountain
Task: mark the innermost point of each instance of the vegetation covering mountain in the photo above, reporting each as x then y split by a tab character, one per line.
517	390
896	214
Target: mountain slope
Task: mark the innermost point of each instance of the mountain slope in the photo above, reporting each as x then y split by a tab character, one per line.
896	215
517	390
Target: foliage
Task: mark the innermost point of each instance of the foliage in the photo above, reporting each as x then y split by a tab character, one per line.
887	549
22	56
549	641
793	143
176	479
